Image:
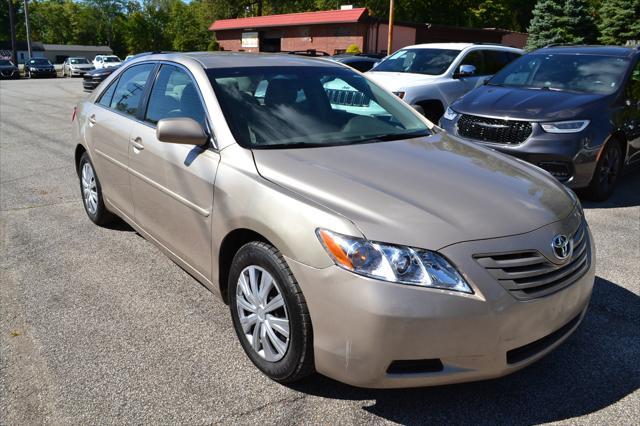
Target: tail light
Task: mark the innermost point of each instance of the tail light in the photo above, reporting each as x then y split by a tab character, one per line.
73	116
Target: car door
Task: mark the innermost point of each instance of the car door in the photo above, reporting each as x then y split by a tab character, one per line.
110	121
463	84
172	184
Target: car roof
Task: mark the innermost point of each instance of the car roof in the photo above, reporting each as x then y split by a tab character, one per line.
242	59
618	51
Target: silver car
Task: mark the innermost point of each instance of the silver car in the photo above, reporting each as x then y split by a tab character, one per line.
76	66
362	244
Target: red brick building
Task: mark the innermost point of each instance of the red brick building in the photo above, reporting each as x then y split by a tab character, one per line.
332	31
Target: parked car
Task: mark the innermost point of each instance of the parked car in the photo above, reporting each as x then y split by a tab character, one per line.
431	76
76	66
106	61
39	67
92	79
361	63
8	69
371	248
573	111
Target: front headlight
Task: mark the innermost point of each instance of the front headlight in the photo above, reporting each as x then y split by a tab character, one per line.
398	264
573	126
450	114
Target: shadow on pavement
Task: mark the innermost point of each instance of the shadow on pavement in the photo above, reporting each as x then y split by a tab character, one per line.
119	225
597	366
626	194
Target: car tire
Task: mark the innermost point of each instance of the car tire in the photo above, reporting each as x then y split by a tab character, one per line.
91	192
253	314
607	172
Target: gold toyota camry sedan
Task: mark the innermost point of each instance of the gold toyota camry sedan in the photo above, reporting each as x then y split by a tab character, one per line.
348	235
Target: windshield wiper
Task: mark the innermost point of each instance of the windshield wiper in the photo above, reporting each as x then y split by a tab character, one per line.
394	136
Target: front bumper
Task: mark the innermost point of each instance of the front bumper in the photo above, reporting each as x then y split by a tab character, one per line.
563	155
362	327
89	83
44	73
9	74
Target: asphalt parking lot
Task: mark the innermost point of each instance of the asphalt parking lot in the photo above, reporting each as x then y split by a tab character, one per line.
97	326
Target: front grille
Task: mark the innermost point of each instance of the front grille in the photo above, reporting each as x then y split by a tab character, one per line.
506	132
529	275
347	98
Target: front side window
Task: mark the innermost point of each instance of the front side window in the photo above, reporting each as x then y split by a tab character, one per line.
107	95
475	58
419	61
174	95
295	107
129	89
495	60
594	74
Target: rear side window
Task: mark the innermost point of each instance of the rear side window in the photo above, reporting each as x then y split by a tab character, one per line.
130	88
174	95
107	95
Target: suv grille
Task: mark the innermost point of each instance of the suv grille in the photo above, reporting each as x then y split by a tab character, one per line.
493	130
347	97
529	275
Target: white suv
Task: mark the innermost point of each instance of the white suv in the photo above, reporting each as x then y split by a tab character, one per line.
432	76
106	61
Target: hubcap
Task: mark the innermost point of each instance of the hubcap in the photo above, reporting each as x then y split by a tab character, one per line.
89	188
263	313
610	167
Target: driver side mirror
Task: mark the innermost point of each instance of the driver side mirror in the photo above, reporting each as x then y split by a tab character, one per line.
465	71
182	130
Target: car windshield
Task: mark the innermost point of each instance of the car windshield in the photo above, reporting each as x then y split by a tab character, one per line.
40	61
4	62
593	74
77	61
309	106
111	59
419	61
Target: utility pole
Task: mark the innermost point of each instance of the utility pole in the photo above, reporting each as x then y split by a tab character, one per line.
12	30
390	35
26	24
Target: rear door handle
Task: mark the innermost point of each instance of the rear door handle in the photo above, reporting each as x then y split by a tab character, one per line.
92	120
137	143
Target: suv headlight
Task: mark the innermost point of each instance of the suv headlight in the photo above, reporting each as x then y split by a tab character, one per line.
573	126
450	114
393	263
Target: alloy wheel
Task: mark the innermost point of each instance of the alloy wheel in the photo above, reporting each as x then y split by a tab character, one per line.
89	188
263	313
609	168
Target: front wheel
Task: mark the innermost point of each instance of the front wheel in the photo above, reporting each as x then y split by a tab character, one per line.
270	314
607	172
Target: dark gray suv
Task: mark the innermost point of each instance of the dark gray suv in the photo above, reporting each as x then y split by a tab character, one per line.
571	110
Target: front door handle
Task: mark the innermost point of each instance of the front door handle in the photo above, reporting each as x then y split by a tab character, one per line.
92	120
137	143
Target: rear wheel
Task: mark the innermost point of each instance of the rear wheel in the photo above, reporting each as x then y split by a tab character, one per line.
270	314
607	172
92	193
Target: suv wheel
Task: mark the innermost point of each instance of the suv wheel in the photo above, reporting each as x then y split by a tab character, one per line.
607	172
270	313
92	192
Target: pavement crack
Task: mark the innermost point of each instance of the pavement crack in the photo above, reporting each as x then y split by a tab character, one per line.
38	206
267	404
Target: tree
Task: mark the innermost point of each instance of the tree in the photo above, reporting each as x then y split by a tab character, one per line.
619	21
548	25
581	25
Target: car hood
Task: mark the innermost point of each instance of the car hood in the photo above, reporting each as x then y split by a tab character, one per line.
81	66
425	192
399	80
524	104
